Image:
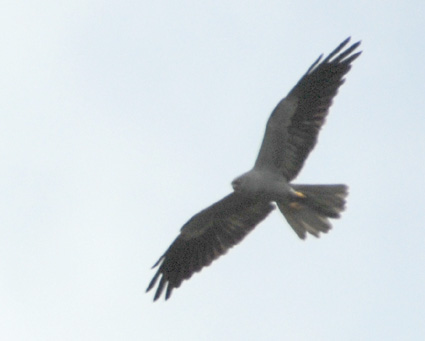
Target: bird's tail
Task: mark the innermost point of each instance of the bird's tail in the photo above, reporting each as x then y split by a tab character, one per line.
311	206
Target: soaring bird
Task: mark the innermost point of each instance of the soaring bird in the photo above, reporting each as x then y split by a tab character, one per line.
291	134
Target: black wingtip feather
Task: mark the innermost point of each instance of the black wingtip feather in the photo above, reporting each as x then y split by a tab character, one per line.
153	281
352	58
314	64
160	288
346	53
336	51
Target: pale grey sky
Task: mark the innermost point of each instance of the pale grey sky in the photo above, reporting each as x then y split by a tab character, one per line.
120	120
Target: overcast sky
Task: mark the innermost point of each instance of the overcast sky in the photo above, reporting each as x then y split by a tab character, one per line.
120	120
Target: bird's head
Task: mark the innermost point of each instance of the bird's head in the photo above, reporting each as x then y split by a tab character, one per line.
244	183
237	184
257	183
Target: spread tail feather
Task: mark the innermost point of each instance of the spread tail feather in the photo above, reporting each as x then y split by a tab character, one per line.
312	206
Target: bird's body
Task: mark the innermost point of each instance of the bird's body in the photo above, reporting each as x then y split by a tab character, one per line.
291	134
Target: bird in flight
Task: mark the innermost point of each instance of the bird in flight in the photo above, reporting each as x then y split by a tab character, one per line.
291	134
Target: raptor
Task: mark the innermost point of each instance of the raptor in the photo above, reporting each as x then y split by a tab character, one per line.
291	134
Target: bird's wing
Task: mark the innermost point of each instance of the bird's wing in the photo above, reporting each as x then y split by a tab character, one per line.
293	126
207	236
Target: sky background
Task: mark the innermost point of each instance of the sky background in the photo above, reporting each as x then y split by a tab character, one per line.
122	119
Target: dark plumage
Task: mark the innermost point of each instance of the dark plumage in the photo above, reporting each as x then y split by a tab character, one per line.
291	134
207	236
